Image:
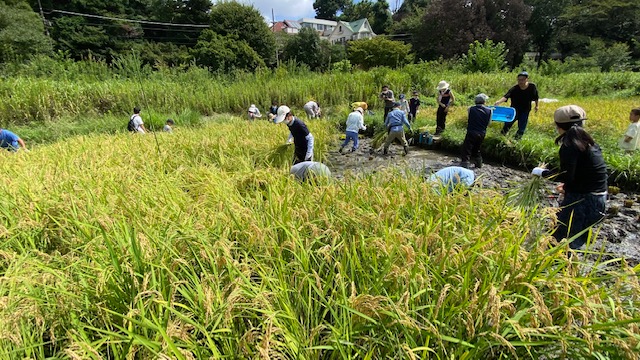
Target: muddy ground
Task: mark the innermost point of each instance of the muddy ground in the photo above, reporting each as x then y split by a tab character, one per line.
618	236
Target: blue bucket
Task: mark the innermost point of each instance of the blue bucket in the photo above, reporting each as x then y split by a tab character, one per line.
502	113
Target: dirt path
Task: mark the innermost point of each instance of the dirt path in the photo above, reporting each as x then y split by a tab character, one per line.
619	232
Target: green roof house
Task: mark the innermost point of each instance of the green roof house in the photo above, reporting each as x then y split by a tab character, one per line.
354	30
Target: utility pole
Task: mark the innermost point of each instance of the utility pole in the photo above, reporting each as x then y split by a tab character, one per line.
44	21
273	28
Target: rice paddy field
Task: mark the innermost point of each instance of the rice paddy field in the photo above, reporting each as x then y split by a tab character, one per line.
199	245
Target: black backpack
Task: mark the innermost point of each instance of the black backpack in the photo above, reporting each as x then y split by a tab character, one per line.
131	126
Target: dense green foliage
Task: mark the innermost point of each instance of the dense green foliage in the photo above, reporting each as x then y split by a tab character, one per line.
587	34
198	246
21	32
379	51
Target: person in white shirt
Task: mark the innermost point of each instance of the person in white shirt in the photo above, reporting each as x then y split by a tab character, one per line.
631	140
355	123
138	124
312	109
168	126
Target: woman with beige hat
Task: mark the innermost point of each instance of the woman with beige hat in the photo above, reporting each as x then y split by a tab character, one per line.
445	99
583	177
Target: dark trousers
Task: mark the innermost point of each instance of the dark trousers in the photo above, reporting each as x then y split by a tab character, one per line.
441	119
578	212
412	114
471	147
522	117
299	153
386	111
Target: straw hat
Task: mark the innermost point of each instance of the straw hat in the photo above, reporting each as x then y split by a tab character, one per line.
442	85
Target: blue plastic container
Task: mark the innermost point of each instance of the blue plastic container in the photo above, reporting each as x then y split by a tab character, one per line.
502	113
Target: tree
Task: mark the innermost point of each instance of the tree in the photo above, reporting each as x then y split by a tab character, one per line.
449	26
225	53
308	49
328	9
485	57
381	17
612	21
543	24
179	12
357	11
379	51
246	23
21	32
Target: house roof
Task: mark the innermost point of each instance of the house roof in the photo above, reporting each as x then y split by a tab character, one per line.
292	24
355	26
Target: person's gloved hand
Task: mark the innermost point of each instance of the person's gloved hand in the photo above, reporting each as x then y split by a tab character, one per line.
537	171
364	127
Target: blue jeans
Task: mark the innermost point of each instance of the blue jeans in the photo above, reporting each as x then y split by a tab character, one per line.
579	212
350	135
523	118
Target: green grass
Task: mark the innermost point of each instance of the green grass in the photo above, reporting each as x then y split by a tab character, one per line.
208	249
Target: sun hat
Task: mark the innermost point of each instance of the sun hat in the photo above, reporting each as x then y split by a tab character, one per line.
282	113
360	110
523	73
442	85
481	98
568	114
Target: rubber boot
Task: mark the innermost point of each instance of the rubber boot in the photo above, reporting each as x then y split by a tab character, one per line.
406	150
478	162
464	164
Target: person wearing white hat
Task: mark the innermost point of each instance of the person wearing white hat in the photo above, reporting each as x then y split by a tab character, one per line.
521	95
478	121
355	123
445	99
583	177
253	112
299	134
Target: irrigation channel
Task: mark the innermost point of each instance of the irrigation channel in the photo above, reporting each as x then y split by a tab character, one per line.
618	235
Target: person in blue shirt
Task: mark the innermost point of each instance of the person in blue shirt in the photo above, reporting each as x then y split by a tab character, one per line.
11	141
452	177
395	122
302	138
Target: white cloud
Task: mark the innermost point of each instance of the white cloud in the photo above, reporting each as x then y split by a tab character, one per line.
284	9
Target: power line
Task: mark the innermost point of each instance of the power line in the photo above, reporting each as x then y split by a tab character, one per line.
127	20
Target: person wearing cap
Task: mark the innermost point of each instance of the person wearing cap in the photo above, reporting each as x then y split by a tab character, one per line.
387	97
394	123
11	141
312	109
299	134
582	174
355	123
452	177
478	120
253	112
521	95
359	104
310	171
414	104
445	99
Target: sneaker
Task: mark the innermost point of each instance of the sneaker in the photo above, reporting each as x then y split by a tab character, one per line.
353	150
341	148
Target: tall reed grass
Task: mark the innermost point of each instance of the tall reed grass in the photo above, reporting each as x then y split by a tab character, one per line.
209	250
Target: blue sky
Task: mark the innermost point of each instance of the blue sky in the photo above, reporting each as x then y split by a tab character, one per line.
292	9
